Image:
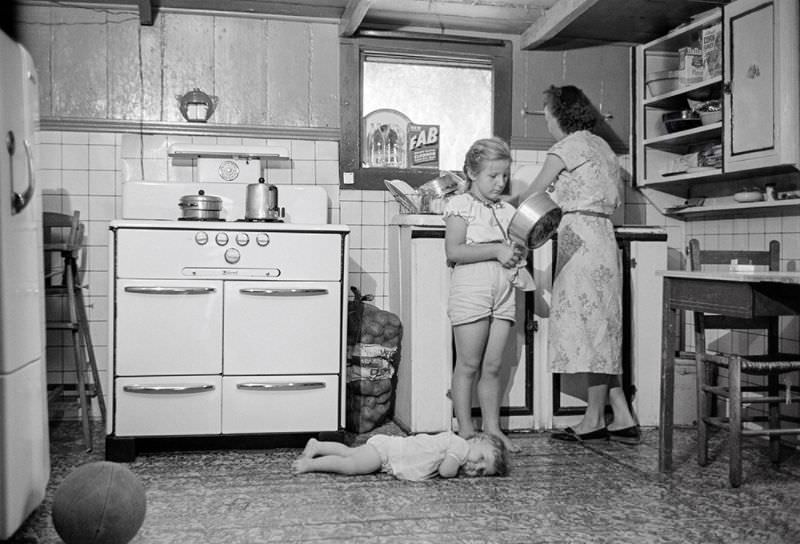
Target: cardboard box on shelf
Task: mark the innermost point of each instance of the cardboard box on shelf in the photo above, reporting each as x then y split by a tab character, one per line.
690	67
711	44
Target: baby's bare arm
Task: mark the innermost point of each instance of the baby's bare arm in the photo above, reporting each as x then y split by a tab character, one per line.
449	467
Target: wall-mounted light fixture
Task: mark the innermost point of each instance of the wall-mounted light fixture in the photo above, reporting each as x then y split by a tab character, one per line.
196	106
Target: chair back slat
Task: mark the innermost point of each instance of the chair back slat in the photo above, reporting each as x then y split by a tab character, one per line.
699	257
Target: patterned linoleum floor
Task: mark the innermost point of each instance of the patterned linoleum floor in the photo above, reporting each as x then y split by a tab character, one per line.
556	493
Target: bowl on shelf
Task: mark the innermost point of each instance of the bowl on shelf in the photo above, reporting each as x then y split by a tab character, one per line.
710	111
710	117
748	196
676	121
662	82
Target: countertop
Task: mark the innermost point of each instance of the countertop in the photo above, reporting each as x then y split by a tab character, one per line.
749	277
623	232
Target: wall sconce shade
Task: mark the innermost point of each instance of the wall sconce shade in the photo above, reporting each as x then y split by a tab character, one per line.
196	106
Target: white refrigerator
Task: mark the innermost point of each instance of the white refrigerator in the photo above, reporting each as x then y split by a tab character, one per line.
24	438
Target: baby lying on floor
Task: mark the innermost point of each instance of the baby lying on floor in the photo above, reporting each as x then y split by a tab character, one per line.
416	458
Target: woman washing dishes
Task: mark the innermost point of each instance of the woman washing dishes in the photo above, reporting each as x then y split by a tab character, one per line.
585	333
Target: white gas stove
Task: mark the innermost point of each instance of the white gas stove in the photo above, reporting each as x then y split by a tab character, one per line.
225	328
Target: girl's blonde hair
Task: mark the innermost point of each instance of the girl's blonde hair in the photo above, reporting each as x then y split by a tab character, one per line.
482	151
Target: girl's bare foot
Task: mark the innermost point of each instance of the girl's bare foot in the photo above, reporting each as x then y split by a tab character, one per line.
310	449
301	464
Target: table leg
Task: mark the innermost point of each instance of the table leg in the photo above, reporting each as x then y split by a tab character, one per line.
668	348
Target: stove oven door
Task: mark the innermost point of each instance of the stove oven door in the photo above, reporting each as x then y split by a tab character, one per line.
168	327
282	328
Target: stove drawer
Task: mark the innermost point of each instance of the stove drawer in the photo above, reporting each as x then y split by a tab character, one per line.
167	405
280	404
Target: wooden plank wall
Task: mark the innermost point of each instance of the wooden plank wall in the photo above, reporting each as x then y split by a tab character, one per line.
100	64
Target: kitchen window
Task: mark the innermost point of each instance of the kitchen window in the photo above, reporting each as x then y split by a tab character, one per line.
411	107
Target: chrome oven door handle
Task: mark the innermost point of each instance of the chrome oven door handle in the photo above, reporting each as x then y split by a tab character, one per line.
168	389
284	386
170	290
283	292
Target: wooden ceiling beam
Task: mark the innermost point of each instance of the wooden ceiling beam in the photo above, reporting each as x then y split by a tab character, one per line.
353	15
145	13
553	21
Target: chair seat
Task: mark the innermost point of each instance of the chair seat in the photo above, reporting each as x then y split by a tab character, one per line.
760	364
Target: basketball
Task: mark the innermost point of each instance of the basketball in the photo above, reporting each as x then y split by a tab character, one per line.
99	503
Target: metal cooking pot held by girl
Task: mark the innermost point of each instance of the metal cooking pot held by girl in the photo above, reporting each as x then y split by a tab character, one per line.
535	221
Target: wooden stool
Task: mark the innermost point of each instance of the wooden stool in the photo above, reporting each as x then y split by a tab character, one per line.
63	242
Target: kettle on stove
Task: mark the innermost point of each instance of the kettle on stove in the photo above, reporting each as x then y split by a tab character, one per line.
262	202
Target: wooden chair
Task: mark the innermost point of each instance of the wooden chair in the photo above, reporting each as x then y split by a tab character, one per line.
63	244
772	365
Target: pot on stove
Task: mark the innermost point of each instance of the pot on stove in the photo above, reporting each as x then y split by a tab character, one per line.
262	202
200	206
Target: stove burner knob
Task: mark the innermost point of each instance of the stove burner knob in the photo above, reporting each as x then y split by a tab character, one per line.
221	238
262	239
201	238
242	239
232	255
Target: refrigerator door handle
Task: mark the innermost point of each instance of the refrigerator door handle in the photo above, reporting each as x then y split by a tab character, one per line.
20	200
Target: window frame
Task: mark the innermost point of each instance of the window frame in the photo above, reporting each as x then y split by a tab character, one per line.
352	50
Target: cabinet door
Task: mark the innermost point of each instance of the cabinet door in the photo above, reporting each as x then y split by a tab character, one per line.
761	65
540	70
603	73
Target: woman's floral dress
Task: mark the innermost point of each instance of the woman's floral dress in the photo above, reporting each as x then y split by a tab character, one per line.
585	331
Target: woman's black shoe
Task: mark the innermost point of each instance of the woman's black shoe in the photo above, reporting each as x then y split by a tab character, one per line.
629	435
569	435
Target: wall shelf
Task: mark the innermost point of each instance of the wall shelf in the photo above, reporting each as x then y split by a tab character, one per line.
235	151
735	209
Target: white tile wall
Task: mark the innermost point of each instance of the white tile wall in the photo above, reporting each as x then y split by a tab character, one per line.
84	171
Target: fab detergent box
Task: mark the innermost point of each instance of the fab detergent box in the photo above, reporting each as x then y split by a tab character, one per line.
423	146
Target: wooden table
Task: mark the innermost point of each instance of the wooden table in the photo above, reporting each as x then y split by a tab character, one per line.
737	294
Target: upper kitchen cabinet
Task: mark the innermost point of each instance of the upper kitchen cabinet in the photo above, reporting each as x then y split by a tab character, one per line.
602	72
102	70
716	126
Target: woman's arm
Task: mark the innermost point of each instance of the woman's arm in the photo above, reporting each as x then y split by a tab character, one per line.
553	165
458	251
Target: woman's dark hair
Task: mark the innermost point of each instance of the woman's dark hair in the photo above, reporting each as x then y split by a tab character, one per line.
571	108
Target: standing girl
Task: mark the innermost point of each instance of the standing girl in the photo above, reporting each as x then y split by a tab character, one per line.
486	266
585	332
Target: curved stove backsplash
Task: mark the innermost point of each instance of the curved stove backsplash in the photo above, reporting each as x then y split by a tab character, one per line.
302	204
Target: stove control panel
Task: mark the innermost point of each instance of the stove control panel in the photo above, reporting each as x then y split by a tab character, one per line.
161	253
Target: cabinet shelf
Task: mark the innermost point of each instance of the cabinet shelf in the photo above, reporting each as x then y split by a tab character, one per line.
695	135
678	179
676	38
676	99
